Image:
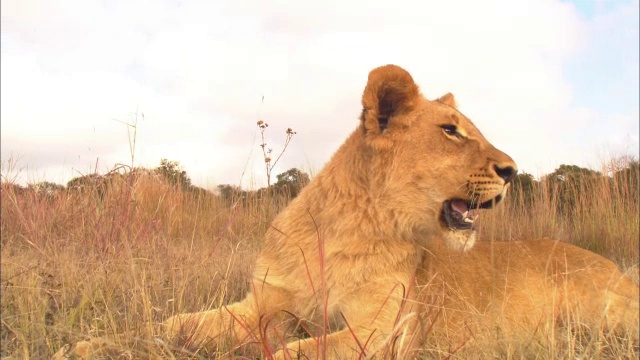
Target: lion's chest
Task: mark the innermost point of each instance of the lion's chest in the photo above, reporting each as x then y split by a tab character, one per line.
384	265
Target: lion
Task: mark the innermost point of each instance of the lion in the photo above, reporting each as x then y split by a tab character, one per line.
345	251
347	248
512	292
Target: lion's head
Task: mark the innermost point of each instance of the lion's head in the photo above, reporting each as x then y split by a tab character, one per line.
434	159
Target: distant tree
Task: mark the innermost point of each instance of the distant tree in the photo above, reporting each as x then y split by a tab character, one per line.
198	191
626	182
292	176
83	181
292	180
46	188
174	174
92	183
522	186
631	173
567	182
229	192
572	172
11	187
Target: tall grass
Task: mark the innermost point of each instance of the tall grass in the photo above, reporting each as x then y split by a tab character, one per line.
598	213
117	260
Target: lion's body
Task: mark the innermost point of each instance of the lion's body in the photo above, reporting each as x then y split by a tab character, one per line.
518	291
347	248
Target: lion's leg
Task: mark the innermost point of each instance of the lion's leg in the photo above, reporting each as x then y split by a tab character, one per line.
235	323
374	323
621	306
81	349
601	296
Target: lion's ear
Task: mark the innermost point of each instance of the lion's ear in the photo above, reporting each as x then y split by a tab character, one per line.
390	92
448	99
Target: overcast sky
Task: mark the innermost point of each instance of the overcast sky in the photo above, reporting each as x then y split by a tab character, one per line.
549	82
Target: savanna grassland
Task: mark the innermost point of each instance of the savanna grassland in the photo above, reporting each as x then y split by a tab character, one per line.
117	256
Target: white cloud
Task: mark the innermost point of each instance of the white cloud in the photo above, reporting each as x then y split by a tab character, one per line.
199	70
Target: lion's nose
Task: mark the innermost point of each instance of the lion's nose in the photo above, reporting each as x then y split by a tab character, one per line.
507	173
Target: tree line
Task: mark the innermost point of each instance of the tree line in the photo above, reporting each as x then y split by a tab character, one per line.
568	182
565	183
172	173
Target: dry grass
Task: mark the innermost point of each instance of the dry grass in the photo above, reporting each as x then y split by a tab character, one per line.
118	261
598	213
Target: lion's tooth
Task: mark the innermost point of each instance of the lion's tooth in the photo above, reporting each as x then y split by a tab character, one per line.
468	220
464	214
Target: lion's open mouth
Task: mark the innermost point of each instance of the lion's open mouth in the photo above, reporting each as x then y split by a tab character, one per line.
459	214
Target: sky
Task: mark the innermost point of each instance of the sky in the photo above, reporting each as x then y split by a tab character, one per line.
549	82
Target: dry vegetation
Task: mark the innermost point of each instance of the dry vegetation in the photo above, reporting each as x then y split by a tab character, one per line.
117	260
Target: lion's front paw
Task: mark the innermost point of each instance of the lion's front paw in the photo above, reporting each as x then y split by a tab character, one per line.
80	349
192	330
173	326
183	326
299	349
290	354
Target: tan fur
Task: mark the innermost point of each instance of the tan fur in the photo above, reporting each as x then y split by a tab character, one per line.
346	250
518	291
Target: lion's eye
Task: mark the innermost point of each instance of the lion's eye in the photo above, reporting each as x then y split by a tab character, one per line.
451	130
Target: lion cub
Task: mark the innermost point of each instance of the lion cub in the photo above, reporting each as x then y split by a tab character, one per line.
346	250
